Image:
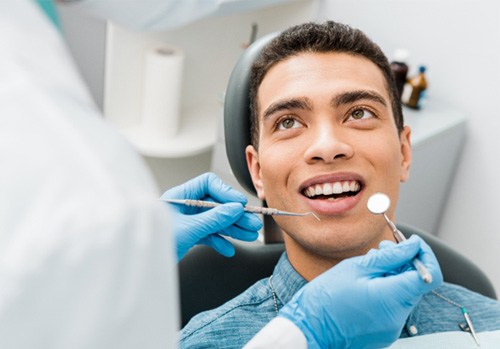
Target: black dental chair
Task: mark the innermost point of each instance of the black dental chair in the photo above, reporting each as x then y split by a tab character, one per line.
208	279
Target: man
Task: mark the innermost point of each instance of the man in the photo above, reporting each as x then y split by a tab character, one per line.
327	133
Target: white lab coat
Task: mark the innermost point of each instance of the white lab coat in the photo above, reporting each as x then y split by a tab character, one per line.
86	255
85	251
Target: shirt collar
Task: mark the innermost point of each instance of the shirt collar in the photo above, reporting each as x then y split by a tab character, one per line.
286	281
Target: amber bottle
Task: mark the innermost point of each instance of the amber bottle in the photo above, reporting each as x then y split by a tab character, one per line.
400	69
414	90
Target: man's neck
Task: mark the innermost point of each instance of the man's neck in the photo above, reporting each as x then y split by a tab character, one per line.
310	264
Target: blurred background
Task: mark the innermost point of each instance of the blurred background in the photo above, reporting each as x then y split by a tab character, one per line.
453	189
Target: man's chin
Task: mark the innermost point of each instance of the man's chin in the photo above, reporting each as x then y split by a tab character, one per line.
335	248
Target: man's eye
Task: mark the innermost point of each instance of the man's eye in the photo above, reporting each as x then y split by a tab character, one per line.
288	123
359	114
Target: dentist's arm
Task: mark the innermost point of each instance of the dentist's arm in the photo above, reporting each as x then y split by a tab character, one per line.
363	302
195	225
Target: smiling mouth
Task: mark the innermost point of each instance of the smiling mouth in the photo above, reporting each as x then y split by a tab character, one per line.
332	191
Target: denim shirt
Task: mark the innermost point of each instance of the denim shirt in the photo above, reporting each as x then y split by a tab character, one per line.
234	323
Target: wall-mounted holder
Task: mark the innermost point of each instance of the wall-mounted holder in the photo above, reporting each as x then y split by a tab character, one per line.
162	129
144	99
196	134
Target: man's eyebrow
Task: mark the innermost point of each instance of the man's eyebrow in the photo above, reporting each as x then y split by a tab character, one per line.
287	104
354	96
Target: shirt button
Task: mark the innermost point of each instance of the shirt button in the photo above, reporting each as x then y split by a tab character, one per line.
413	330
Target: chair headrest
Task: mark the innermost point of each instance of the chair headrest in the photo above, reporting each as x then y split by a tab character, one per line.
237	112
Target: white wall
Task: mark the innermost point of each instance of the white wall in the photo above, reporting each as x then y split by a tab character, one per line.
86	38
459	41
212	47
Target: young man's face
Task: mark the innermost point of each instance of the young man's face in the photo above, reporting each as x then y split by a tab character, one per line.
326	124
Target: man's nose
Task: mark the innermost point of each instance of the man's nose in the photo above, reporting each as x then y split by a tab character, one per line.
328	143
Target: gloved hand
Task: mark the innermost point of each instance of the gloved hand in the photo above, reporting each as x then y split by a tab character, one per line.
363	302
196	225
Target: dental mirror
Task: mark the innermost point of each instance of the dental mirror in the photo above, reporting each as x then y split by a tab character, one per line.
378	203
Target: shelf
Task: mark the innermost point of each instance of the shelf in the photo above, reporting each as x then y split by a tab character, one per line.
432	121
197	134
438	132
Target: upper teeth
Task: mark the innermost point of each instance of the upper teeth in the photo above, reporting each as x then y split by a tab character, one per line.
332	188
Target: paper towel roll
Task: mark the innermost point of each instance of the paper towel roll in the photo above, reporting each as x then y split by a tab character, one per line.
162	92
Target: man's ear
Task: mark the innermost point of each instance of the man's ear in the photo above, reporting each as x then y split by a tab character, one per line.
405	153
254	168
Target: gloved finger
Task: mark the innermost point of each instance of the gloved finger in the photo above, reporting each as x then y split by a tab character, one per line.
216	219
426	254
181	191
249	221
219	244
371	251
408	283
389	244
207	187
391	257
207	184
222	192
383	244
240	234
386	244
429	259
407	286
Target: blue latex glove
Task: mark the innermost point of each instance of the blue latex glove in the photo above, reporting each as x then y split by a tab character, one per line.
195	225
363	302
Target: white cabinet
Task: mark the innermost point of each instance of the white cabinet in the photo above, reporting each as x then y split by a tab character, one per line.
438	135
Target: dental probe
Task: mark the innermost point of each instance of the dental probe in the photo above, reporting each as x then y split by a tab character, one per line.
379	203
247	208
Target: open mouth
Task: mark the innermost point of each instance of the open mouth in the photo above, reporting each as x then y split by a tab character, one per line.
332	191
